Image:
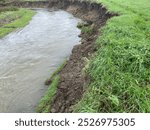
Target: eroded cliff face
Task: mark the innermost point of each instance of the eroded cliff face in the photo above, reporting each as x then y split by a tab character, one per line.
73	81
96	11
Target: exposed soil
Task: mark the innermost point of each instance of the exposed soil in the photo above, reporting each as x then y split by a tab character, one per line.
72	79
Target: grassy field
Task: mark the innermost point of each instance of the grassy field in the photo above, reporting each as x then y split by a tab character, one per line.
11	20
120	69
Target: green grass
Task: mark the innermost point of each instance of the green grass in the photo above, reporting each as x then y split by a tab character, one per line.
3	1
56	72
87	30
8	8
9	15
20	19
140	7
120	69
45	103
34	0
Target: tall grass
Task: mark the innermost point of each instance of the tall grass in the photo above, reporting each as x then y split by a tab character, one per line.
120	69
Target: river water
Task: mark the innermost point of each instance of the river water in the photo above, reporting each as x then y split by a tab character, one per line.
30	55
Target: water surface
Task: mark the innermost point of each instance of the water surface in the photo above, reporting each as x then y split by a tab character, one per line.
28	56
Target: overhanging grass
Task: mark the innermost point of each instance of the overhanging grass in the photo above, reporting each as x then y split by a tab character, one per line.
87	29
55	72
23	16
45	103
120	69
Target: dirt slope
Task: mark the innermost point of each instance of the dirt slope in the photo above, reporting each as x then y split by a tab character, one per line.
72	79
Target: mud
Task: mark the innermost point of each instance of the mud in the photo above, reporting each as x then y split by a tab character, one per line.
73	82
72	79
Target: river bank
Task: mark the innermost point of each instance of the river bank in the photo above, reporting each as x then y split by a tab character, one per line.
27	59
118	71
72	80
113	74
12	18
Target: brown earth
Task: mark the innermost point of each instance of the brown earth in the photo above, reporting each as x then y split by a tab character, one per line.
72	79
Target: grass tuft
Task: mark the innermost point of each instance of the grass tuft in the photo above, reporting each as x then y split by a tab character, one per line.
49	80
45	103
53	82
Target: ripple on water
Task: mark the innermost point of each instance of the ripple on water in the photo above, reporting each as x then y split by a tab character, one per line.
28	56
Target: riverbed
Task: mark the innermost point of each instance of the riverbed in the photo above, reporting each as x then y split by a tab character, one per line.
30	55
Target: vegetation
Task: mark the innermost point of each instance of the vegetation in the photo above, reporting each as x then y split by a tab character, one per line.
11	20
9	1
56	72
45	103
120	69
87	29
8	8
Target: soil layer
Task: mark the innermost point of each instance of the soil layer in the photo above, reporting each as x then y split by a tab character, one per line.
73	81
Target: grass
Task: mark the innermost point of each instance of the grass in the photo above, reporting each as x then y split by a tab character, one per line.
4	1
55	72
34	0
85	28
17	19
8	8
120	69
45	103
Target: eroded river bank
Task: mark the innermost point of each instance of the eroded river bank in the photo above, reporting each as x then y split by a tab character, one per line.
73	81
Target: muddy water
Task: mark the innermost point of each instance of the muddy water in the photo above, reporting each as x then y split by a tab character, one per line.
28	56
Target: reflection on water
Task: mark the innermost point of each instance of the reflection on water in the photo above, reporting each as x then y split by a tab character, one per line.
28	56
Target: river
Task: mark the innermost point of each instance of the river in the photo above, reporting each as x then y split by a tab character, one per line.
28	56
